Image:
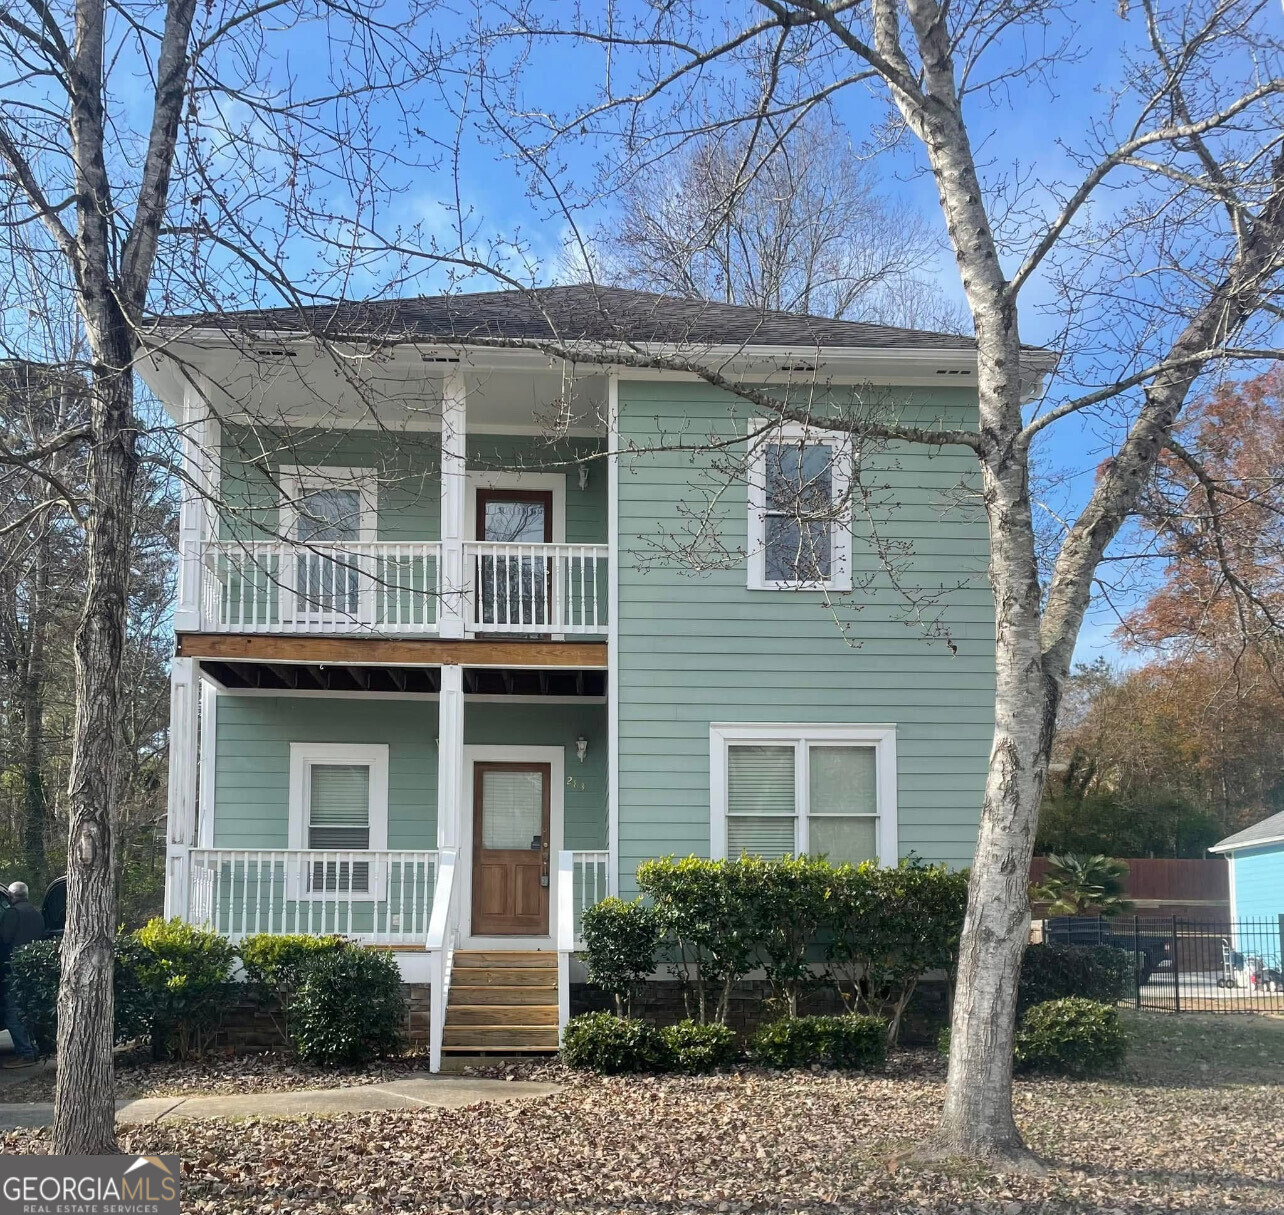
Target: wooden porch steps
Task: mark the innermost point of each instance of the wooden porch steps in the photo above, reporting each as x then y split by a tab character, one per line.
502	1003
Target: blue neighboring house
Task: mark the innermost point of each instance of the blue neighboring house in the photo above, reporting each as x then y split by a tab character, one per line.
1256	857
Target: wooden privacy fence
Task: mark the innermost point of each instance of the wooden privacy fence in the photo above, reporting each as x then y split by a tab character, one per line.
1189	889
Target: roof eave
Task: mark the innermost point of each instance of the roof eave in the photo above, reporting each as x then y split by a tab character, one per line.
1231	844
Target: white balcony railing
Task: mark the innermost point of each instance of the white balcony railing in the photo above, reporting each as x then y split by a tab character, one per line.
272	586
256	586
536	588
384	898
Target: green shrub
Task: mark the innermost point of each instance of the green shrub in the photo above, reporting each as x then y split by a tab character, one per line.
1071	1037
791	899
852	1041
33	988
603	1042
279	963
185	973
1090	972
620	943
709	910
889	927
350	1007
36	971
275	967
695	1048
943	1041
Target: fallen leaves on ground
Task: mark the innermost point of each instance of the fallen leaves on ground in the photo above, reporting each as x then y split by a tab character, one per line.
749	1141
137	1076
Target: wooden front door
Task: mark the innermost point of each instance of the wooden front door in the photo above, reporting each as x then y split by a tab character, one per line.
510	849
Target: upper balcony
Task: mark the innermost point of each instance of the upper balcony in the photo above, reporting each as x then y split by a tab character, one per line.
398	588
440	502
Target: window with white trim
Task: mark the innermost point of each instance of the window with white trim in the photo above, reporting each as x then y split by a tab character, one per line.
818	790
339	804
800	534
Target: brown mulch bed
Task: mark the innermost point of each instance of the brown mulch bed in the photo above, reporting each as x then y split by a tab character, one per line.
139	1076
749	1141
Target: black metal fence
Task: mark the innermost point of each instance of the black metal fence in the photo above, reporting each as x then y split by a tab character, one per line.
1212	966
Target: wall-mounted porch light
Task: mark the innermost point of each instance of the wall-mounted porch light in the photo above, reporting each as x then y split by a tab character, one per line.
581	748
583	470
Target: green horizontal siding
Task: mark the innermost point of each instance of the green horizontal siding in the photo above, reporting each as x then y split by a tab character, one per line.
552	724
700	647
408	466
252	758
252	763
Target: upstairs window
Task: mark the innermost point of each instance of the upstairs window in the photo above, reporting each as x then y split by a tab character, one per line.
804	790
799	514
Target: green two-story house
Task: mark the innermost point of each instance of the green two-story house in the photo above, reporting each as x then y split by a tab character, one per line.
476	613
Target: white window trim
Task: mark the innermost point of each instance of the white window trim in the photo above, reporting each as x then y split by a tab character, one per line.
296	480
554	483
840	530
881	737
304	755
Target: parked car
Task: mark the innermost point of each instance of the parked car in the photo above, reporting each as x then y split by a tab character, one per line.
53	906
1151	950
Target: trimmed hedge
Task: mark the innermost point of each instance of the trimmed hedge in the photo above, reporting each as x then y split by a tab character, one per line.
694	1048
37	969
611	1045
186	975
1089	972
1071	1037
620	943
350	1007
853	1042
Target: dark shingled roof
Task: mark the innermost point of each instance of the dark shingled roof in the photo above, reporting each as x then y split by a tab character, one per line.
583	313
1265	832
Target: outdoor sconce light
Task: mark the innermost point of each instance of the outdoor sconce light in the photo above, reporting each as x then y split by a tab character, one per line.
581	748
583	485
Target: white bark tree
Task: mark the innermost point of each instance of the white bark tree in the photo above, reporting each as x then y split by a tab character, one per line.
194	194
1179	278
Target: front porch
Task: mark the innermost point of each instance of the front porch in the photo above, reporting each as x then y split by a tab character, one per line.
445	824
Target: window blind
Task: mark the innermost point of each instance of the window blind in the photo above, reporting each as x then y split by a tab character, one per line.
512	809
843	803
761	802
339	807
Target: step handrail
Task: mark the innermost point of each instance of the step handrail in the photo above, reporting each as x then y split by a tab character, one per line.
443	929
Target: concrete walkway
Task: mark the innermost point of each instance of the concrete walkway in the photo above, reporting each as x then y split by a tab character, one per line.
443	1092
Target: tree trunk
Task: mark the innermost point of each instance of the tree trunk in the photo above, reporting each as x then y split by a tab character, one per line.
84	1096
977	1121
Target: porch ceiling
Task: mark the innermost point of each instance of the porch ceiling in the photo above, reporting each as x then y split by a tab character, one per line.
346	677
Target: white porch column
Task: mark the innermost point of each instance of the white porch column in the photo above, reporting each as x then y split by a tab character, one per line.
196	517
454	488
184	716
450	756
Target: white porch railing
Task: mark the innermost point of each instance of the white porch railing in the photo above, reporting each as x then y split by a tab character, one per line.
383	898
536	588
270	586
443	933
581	882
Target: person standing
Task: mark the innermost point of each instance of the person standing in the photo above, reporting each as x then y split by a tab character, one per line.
21	924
